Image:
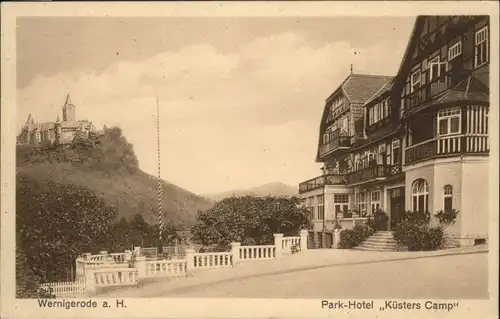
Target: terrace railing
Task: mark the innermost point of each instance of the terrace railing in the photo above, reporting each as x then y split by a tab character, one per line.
447	146
320	181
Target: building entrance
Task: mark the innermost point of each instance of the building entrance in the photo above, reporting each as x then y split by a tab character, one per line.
397	205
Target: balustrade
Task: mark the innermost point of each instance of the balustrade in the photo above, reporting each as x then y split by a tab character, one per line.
320	181
372	172
165	268
288	242
108	277
257	252
213	260
447	145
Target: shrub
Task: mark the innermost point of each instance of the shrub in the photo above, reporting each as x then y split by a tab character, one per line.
447	216
413	231
350	238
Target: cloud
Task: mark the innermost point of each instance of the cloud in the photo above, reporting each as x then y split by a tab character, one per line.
227	120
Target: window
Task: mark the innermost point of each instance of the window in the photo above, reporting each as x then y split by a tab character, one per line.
370	116
449	121
345	127
420	195
395	152
387	109
455	50
341	204
361	202
448	197
481	47
375	201
320	199
436	68
415	80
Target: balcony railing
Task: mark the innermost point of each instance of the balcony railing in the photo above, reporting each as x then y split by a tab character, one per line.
336	113
320	181
447	146
336	140
427	91
372	173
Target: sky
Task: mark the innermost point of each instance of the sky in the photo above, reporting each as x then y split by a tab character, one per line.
240	98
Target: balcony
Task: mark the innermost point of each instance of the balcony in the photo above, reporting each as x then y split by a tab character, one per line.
336	141
337	112
321	181
426	92
372	173
447	146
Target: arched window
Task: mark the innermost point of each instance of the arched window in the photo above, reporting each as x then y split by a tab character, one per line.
420	195
448	197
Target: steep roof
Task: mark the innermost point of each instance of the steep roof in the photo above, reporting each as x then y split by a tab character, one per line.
68	100
386	87
358	88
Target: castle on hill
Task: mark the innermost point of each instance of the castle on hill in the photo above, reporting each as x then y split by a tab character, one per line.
58	132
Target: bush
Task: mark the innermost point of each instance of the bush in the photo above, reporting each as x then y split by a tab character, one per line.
447	216
350	238
413	231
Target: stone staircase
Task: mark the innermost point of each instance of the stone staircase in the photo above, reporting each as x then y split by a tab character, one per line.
380	241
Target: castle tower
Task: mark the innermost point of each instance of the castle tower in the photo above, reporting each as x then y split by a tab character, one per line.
68	110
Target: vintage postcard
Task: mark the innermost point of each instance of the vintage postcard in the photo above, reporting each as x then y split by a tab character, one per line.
249	160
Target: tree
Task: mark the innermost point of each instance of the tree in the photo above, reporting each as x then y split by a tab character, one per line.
58	224
249	220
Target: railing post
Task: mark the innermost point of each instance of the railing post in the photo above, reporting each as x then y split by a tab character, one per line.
189	259
89	280
235	250
137	251
336	238
140	265
128	255
303	239
278	239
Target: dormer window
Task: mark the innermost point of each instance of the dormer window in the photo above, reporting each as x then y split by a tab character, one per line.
378	112
415	80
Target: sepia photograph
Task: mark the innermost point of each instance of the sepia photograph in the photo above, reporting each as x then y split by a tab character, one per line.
341	159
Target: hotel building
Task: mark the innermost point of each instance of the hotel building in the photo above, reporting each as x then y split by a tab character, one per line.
415	141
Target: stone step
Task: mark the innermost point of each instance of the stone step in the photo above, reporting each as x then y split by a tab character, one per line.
371	245
376	241
382	240
364	248
383	237
383	234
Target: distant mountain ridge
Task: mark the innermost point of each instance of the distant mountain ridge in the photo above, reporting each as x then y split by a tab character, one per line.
275	189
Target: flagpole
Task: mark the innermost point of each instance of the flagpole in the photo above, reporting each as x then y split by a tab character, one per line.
160	183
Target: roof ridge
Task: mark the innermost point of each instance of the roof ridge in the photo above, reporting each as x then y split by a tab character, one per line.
373	75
